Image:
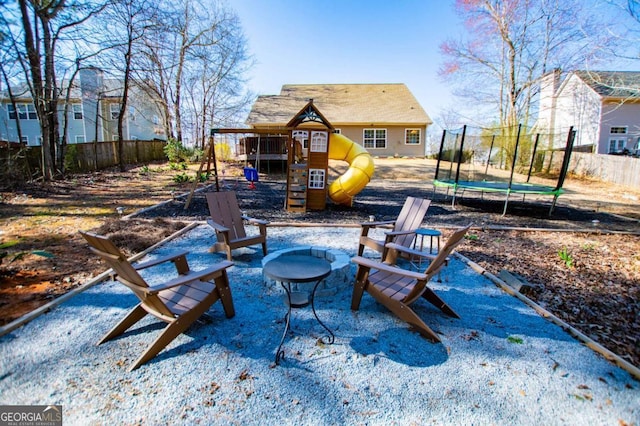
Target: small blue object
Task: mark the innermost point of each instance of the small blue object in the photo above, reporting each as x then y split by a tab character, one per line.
251	174
427	232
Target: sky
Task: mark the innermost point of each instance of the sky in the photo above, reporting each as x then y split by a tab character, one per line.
355	41
358	41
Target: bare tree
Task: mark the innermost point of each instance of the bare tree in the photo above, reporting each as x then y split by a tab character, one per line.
195	64
127	24
216	71
40	34
511	45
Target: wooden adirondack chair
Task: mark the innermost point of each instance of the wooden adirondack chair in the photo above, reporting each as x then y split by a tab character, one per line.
179	301
228	222
403	228
397	288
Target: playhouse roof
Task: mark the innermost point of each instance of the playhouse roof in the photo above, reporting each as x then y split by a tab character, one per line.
341	104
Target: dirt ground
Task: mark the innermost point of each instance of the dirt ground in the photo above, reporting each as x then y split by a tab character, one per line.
587	271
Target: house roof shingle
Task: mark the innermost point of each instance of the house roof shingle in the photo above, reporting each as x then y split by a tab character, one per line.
341	104
613	84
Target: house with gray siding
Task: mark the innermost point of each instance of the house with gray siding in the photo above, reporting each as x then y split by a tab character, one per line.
93	110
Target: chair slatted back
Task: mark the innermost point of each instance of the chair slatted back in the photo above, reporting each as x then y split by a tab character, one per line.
410	217
454	240
125	272
224	210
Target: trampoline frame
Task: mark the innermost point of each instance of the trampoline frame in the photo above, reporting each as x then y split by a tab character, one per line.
509	187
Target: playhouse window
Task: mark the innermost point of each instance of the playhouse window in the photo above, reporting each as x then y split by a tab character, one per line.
375	138
318	142
412	136
302	136
316	178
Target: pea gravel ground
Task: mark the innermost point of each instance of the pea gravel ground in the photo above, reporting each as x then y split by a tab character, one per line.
501	363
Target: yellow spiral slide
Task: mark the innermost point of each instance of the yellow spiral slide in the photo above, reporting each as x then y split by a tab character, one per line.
357	176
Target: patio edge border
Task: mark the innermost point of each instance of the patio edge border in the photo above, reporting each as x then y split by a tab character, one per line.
586	340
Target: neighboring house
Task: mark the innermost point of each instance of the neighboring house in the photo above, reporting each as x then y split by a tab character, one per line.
385	118
603	106
93	110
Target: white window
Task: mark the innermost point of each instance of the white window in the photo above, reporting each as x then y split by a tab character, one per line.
412	136
114	138
316	178
24	140
616	144
77	111
375	138
23	113
618	130
79	139
319	142
337	131
31	110
114	109
11	111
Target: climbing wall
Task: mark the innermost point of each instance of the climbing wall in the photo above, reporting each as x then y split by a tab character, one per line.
297	188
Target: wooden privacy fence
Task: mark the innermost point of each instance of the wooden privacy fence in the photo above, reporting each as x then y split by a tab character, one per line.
21	162
619	169
101	155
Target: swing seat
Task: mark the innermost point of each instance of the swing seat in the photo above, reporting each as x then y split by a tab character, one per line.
251	175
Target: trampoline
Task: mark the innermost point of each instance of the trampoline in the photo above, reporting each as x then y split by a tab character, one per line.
507	152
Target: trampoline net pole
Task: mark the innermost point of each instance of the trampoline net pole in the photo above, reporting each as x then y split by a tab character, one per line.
515	156
533	156
486	170
464	132
444	133
567	156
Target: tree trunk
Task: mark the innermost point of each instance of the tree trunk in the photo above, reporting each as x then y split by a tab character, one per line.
125	96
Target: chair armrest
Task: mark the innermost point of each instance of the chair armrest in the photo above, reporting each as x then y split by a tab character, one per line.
190	276
217	226
396	233
160	260
372	264
413	252
255	221
376	224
